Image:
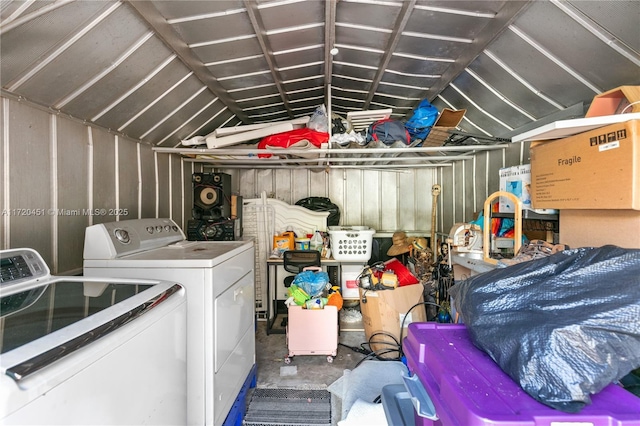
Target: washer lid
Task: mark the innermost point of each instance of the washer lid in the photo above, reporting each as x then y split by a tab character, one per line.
49	319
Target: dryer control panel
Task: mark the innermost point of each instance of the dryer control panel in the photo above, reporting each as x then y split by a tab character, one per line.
19	265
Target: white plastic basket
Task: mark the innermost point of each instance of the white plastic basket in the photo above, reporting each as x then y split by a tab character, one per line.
351	243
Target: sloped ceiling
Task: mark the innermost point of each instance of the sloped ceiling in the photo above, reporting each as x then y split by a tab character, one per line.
163	71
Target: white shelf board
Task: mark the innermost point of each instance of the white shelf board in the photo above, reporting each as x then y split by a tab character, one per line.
566	128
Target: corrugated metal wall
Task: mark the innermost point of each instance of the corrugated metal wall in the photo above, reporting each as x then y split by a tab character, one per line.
383	200
386	200
60	176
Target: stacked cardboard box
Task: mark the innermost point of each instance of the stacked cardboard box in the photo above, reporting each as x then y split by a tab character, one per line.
593	177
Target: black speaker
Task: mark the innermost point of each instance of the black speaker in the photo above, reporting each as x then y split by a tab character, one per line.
211	230
211	196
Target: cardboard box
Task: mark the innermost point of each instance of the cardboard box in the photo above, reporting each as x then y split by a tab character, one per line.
598	169
597	228
615	101
517	180
448	120
383	312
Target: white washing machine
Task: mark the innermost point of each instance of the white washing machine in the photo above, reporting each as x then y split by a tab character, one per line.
89	351
220	284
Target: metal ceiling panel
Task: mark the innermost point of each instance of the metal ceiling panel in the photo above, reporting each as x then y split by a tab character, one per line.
256	102
619	18
547	29
296	85
490	102
277	15
155	84
175	9
369	59
170	100
226	69
10	11
399	92
263	91
450	22
438	49
416	65
287	40
229	50
357	38
24	46
174	123
317	93
133	69
114	31
211	30
493	72
249	79
297	57
368	13
306	70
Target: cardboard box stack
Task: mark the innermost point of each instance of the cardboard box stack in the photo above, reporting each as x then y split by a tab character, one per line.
593	177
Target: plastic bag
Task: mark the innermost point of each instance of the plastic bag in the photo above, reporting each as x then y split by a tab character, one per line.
563	326
322	204
319	121
298	295
423	118
313	283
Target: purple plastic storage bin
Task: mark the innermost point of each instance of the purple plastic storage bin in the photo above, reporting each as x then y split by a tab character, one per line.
468	388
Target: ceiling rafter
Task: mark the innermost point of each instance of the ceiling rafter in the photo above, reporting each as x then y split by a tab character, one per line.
401	23
259	30
174	41
329	43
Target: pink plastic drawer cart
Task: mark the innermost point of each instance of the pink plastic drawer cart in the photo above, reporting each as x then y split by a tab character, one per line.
312	332
455	383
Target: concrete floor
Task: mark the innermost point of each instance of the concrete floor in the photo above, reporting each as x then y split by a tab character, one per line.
304	371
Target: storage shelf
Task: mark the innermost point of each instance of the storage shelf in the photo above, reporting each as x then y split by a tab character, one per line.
333	158
528	214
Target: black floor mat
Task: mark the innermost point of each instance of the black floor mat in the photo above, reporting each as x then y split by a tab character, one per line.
288	407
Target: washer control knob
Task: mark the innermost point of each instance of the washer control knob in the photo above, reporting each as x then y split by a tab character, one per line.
122	236
158	228
150	229
167	228
175	228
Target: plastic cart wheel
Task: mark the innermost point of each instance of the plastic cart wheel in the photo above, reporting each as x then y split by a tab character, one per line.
329	359
287	360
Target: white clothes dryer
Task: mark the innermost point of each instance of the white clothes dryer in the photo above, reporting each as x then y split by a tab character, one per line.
219	280
83	351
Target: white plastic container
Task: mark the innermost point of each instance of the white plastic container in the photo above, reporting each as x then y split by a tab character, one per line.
316	242
349	285
351	243
302	243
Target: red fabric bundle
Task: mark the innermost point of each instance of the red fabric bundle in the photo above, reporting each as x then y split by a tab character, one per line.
286	139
